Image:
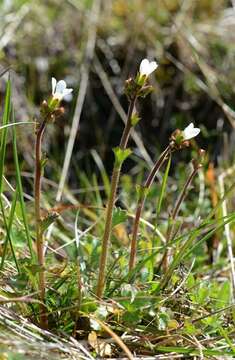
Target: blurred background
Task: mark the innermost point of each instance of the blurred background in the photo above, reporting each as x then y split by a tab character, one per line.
95	45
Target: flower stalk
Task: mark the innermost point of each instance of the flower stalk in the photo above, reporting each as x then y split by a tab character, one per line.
50	111
111	202
171	228
134	89
142	197
39	233
178	140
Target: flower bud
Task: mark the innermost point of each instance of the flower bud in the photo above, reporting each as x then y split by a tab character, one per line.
44	110
59	112
182	138
201	157
130	88
44	104
201	153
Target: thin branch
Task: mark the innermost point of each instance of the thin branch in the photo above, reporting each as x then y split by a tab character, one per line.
115	337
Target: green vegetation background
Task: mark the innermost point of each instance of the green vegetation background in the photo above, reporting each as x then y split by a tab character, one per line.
193	42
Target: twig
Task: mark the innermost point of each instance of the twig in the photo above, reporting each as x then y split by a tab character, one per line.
116	338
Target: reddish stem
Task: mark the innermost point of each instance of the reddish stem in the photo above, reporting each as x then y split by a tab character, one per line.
39	233
111	203
141	202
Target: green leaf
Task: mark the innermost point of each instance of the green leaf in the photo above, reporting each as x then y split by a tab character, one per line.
19	282
203	293
163	319
190	281
190	328
132	318
142	191
43	162
129	290
224	294
119	216
34	269
121	155
101	312
135	119
48	220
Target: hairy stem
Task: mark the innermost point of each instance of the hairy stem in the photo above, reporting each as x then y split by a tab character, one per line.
141	202
39	233
111	202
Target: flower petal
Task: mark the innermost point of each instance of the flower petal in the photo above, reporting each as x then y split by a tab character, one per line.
189	127
53	85
152	66
147	67
195	132
67	92
144	67
190	132
61	86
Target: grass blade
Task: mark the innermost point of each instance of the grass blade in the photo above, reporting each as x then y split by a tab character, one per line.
8	231
187	249
194	352
3	143
3	138
16	124
20	194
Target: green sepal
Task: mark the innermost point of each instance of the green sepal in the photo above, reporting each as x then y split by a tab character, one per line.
53	104
140	79
48	220
179	139
121	155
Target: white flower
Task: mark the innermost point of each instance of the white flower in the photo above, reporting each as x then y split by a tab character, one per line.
190	132
59	89
147	67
